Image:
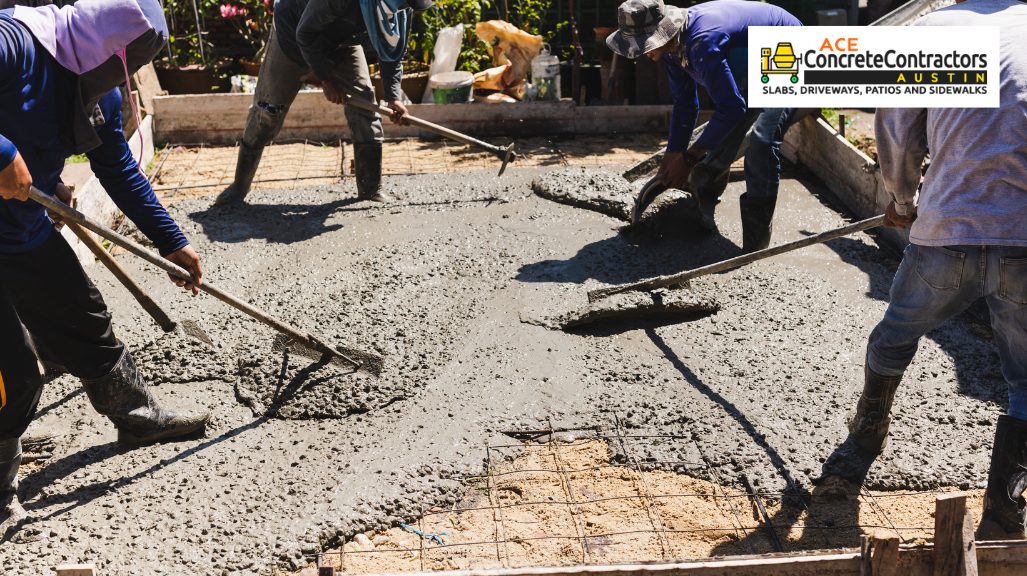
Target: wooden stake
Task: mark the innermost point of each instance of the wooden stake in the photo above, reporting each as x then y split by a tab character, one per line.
880	555
76	570
955	552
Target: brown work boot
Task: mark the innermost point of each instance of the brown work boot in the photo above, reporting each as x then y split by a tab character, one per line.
124	397
869	427
1004	507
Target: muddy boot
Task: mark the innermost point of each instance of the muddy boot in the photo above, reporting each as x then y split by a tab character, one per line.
123	397
869	427
38	438
708	183
757	221
11	512
245	170
1004	516
368	167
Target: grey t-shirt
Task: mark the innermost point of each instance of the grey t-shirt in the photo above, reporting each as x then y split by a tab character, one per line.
975	192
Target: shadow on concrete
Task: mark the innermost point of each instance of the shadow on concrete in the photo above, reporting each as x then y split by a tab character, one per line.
616	260
33	484
275	223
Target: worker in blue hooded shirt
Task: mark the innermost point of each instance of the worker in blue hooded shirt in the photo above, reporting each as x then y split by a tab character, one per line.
327	37
56	78
706	45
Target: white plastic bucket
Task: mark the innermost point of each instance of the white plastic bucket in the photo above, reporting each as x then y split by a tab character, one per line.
452	87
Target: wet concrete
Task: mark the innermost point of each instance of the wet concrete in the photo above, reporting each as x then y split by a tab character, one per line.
439	282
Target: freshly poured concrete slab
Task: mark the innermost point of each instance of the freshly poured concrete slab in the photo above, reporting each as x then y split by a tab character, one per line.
296	456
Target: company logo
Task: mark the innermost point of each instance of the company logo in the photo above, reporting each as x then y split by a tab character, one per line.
841	66
783	61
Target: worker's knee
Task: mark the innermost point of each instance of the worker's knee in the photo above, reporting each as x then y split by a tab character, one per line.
366	127
264	122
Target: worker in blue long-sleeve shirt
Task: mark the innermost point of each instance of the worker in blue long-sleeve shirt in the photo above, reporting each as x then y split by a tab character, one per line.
706	45
54	102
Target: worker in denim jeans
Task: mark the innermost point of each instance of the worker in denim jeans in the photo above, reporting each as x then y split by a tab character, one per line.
707	45
967	241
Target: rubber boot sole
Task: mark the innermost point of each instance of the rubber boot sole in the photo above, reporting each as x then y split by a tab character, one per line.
128	438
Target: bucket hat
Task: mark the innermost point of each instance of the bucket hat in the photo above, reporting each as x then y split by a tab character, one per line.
644	25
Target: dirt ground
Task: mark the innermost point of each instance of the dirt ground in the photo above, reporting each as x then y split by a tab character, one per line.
565	503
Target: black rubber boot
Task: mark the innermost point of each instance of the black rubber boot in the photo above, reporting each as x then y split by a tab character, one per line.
869	427
1004	515
245	170
757	221
368	167
123	397
11	512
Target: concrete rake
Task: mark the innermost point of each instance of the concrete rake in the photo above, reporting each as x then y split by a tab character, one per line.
291	338
652	295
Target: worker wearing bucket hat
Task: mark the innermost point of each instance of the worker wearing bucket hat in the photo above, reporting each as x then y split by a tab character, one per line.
706	45
58	66
328	38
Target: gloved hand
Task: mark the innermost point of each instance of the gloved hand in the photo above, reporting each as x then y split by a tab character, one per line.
15	180
892	218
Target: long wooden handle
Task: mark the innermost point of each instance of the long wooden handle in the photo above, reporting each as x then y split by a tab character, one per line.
430	126
71	215
682	277
149	304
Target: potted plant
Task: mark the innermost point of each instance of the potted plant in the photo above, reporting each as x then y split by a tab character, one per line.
191	64
252	21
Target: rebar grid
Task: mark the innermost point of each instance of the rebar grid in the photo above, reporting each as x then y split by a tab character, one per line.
201	169
576	503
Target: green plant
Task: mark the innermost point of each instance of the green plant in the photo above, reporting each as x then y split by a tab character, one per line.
473	54
187	42
252	19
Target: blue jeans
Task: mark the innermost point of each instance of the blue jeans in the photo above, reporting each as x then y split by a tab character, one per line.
763	157
934	284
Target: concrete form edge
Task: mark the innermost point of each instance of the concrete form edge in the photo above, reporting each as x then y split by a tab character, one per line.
92	200
850	174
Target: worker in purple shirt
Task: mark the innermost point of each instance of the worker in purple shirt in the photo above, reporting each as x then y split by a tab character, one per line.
57	73
706	45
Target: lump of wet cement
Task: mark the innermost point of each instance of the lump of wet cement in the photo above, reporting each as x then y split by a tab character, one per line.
662	306
176	358
589	188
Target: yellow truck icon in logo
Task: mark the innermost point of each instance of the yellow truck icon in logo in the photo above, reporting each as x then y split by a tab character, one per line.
783	62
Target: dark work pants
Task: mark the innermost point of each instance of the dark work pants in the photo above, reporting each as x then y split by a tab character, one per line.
47	292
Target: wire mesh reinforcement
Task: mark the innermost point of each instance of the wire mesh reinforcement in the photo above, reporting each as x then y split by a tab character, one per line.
199	170
500	524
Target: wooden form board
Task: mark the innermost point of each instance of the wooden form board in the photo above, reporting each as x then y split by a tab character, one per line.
993	559
220	119
849	173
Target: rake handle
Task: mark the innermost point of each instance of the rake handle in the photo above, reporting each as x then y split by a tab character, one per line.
431	127
737	261
72	215
149	304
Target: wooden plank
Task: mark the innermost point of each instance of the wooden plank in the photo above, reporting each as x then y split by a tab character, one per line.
995	559
880	555
220	119
955	551
147	86
76	570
